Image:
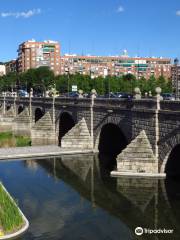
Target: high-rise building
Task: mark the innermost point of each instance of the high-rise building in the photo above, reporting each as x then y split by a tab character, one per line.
116	65
32	54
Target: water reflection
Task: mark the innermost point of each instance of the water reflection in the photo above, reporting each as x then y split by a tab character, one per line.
75	196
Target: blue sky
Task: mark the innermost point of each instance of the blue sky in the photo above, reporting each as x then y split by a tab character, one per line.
96	27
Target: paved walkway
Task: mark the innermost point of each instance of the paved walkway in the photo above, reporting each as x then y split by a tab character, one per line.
37	151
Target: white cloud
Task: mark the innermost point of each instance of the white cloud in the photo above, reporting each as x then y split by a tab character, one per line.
25	14
120	9
178	13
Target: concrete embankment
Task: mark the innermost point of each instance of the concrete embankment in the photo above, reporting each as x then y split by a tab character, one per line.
38	151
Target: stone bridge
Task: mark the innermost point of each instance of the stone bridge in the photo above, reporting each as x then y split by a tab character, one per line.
145	134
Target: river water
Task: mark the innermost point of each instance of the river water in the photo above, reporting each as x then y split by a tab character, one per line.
73	198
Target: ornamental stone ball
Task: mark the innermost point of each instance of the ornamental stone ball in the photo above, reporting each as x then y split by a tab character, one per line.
137	93
137	90
93	91
80	91
158	90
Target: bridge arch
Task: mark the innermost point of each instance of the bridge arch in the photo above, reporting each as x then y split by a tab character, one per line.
8	106
20	109
168	149
66	122
39	113
111	139
111	142
172	163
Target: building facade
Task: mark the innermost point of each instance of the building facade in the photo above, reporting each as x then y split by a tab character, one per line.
32	54
117	66
2	70
175	72
11	66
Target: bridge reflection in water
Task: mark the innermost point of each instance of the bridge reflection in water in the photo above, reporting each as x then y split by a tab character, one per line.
149	203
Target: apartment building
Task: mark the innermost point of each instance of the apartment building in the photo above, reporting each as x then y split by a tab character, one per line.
175	71
2	70
116	65
11	66
32	54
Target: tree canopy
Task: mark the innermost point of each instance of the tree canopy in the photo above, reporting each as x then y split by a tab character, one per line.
44	78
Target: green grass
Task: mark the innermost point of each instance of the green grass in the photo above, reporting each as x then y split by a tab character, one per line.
22	141
10	217
5	135
7	139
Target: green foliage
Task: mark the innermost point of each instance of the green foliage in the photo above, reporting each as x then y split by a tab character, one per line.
43	78
5	135
22	141
8	140
10	217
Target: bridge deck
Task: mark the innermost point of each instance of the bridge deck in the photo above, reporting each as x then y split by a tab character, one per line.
38	151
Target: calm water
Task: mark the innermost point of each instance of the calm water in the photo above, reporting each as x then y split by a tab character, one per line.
72	198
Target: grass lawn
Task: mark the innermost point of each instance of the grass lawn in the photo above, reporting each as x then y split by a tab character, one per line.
10	217
7	139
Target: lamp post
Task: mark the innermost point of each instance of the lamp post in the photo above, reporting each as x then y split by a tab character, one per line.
109	87
44	88
67	72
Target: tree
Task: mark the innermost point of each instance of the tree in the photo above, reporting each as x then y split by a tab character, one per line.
61	83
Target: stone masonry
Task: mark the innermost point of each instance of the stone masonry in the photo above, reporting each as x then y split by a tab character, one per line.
161	125
22	124
138	157
78	137
43	132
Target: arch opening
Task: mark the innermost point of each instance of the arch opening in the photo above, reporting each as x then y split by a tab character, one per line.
20	109
172	168
66	122
8	107
111	142
39	113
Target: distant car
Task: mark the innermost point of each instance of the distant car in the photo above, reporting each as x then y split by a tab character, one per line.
168	96
123	95
22	93
110	95
38	94
73	95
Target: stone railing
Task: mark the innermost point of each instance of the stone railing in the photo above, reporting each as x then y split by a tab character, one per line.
73	101
142	104
145	104
113	103
170	105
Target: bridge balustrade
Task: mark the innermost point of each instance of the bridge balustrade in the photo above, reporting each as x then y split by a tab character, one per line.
73	101
145	104
170	105
113	103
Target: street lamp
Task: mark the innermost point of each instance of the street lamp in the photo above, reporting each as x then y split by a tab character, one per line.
67	72
109	87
